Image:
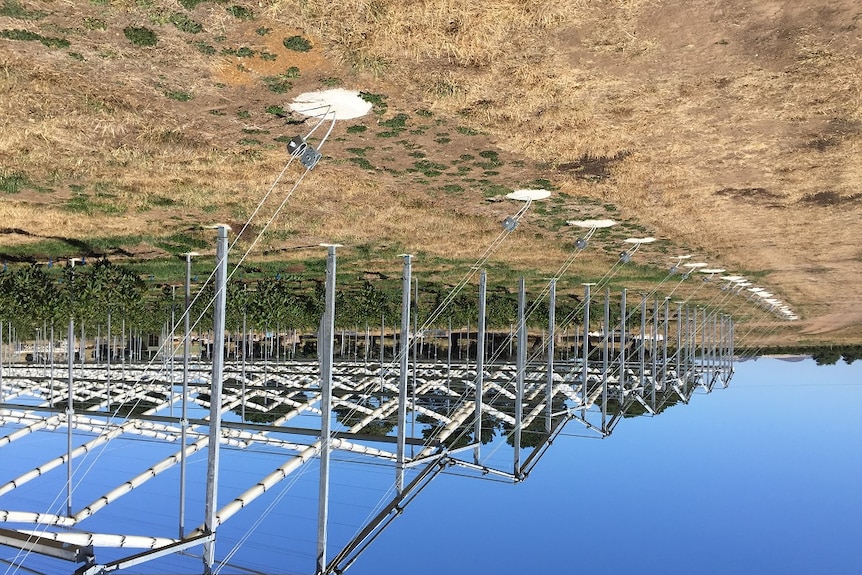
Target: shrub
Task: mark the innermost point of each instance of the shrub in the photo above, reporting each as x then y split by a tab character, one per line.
184	23
140	36
240	12
297	44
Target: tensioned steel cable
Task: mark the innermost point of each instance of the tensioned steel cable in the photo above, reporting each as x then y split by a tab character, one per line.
323	118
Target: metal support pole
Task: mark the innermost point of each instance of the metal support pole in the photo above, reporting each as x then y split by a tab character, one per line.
184	418
642	350
519	377
215	397
70	408
606	326
664	343
480	365
552	320
326	335
623	331
403	354
678	339
654	350
584	367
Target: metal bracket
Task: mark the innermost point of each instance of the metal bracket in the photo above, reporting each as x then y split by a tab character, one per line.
307	154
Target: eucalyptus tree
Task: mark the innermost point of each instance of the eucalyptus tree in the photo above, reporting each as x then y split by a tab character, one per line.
31	298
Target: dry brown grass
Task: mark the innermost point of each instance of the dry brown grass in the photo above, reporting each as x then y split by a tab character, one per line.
743	128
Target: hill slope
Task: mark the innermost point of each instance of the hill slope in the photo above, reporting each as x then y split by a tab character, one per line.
727	129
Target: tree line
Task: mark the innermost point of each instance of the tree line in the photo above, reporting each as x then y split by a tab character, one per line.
37	295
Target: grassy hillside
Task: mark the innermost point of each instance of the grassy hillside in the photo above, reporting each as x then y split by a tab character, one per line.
728	130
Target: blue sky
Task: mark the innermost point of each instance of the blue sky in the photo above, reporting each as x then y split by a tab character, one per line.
762	477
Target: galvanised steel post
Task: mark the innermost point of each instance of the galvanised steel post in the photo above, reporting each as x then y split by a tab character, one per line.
480	365
606	326
519	378
552	321
184	421
623	343
215	396
404	355
664	344
70	408
326	337
642	349
654	350
584	370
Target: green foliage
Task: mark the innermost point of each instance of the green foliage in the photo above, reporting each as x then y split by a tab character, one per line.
331	81
243	114
297	44
92	23
241	52
356	129
13	9
184	23
377	101
240	12
26	35
277	110
178	95
13	182
466	131
140	36
263	31
205	48
282	83
86	204
362	163
77	56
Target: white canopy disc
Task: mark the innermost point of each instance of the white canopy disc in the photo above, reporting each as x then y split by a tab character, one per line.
646	240
345	104
528	195
590	224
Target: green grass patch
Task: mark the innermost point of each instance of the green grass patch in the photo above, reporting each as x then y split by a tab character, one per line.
452	189
357	151
491	189
466	131
429	169
263	31
357	129
362	163
240	12
140	36
424	113
243	114
276	110
398	121
297	44
95	23
241	52
442	139
185	24
267	56
331	81
377	101
249	142
90	205
282	83
178	95
77	56
13	9
13	182
205	49
26	35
